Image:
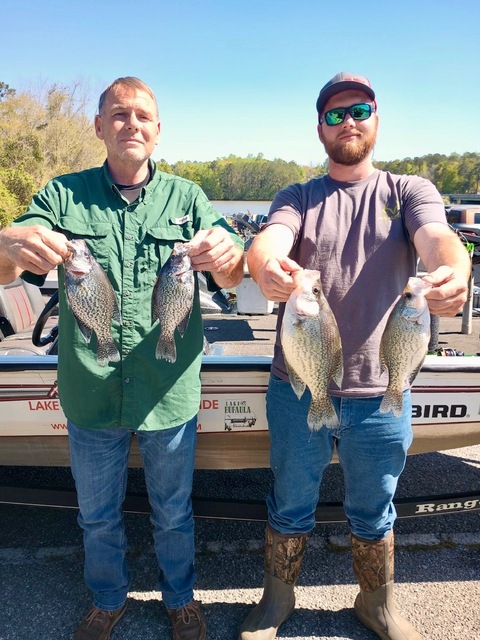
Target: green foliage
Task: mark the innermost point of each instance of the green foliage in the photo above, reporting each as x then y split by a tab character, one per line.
9	206
23	150
234	178
450	174
255	178
20	183
163	165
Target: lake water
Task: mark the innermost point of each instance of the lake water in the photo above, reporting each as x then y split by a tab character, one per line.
255	207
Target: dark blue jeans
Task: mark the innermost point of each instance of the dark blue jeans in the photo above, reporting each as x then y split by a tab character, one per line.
99	465
372	449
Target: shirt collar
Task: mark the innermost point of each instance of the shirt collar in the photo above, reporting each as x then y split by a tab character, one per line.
145	191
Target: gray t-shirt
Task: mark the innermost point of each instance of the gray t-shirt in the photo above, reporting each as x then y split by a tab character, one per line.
359	235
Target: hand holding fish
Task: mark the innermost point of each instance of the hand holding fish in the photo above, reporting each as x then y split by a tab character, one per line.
269	265
276	278
448	293
34	249
213	250
449	268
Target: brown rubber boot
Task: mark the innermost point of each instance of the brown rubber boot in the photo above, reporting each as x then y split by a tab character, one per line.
374	606
283	559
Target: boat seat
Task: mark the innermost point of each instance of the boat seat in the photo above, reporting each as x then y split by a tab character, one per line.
20	305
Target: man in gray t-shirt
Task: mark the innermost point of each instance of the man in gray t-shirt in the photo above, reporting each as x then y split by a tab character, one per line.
364	230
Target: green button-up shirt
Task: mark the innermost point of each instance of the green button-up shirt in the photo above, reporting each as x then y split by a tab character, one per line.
131	241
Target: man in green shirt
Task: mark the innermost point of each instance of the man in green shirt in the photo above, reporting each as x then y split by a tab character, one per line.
130	215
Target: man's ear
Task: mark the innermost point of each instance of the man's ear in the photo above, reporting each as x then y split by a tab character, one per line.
98	127
319	130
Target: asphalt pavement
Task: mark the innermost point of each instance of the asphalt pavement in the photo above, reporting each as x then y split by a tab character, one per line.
254	334
42	595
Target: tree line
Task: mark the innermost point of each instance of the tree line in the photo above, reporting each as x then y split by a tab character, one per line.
49	132
234	178
456	173
255	178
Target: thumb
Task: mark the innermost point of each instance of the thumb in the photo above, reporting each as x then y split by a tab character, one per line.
290	266
439	276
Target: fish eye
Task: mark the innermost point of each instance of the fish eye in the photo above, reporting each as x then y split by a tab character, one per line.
316	291
408	296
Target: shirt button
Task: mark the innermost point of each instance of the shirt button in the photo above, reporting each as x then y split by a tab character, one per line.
127	323
127	380
129	237
126	294
126	352
128	264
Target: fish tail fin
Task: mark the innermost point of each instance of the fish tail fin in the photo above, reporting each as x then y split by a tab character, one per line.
107	352
166	349
322	414
392	402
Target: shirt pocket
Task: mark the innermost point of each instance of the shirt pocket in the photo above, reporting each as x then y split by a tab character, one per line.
159	242
97	235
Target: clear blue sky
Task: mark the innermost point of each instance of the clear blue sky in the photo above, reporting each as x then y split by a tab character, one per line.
242	76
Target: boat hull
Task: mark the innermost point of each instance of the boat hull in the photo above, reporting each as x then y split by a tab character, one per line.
232	427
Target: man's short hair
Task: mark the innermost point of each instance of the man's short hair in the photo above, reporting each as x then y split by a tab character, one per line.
131	84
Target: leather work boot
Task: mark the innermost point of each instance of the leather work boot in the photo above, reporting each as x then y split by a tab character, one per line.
373	566
97	623
283	560
188	622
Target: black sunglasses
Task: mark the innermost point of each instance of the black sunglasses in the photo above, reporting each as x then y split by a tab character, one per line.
361	111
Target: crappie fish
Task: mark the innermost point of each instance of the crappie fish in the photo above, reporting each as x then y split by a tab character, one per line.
404	343
172	300
312	347
92	300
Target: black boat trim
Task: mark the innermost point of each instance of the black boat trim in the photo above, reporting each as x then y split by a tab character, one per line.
248	510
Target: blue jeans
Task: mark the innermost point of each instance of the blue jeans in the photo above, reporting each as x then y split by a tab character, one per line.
99	460
372	449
